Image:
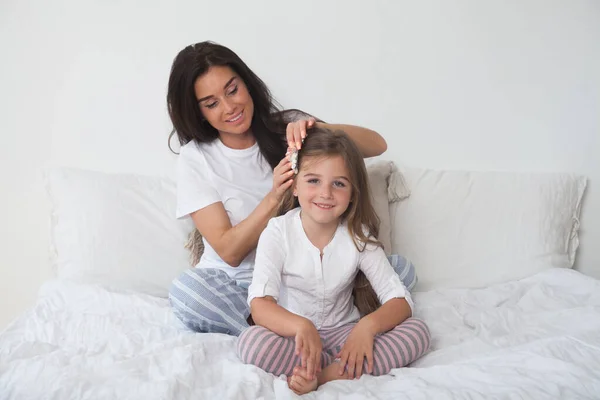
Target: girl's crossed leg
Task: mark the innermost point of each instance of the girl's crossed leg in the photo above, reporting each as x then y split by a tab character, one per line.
270	352
396	348
393	349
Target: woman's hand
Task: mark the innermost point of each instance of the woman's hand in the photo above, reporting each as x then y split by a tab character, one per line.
296	132
308	347
282	178
358	346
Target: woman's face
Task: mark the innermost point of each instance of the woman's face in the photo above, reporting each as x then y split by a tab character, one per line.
224	100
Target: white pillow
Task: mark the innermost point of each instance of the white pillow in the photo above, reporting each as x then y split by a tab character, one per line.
386	186
116	230
473	229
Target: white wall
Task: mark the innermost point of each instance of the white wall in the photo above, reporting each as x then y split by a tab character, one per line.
505	85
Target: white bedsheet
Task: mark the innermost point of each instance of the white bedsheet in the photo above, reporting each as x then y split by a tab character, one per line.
538	338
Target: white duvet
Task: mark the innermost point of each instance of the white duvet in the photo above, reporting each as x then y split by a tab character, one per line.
538	338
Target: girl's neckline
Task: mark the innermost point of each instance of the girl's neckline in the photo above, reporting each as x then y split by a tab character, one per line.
308	241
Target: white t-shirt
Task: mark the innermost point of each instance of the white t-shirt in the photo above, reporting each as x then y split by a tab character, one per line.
289	268
208	173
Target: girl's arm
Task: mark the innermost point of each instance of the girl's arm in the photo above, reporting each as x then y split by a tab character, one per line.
396	307
397	304
266	312
265	289
359	344
387	317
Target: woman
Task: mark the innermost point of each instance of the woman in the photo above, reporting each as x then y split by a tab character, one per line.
231	175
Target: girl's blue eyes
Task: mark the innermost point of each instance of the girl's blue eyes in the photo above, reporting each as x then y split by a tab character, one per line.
339	184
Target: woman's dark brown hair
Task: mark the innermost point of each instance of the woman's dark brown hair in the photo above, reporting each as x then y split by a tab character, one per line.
268	122
360	217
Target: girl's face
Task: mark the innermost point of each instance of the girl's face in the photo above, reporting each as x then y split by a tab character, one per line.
224	100
323	189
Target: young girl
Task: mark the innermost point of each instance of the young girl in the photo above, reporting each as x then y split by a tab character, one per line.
307	262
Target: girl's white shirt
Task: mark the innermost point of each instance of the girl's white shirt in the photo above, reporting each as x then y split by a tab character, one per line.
288	267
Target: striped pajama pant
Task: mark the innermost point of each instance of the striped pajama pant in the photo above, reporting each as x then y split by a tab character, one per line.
208	300
393	349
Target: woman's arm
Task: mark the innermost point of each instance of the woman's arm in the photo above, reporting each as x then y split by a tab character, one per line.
233	243
369	142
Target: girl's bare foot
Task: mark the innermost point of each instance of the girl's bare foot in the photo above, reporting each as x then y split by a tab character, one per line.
300	383
331	373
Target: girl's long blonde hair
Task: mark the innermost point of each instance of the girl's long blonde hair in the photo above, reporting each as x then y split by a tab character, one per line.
361	219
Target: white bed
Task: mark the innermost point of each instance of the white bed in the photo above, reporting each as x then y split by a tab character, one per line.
537	338
523	325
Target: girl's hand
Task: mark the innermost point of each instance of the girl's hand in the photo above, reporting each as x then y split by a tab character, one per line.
358	346
282	178
296	132
308	347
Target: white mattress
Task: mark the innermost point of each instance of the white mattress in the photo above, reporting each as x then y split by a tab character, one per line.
534	339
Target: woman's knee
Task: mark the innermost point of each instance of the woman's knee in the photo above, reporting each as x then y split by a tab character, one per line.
405	269
199	300
179	292
192	285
